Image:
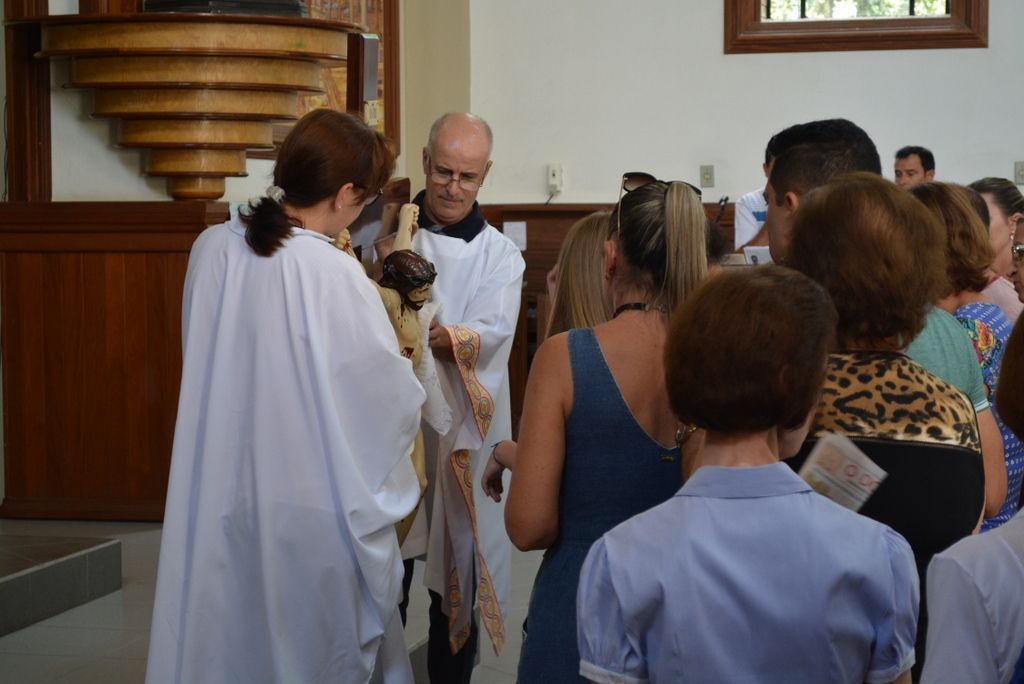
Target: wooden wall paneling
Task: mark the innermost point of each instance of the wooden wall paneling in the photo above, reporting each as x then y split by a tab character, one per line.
727	221
29	175
24	403
91	335
391	45
518	368
136	289
160	341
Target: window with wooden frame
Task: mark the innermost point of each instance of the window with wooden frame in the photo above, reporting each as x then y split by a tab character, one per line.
753	26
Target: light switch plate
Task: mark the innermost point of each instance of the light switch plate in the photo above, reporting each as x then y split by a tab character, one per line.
707	176
1018	172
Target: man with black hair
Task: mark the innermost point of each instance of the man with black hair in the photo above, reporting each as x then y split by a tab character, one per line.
914	165
752	208
809	155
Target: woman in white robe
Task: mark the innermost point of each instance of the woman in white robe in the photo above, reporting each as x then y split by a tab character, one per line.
279	561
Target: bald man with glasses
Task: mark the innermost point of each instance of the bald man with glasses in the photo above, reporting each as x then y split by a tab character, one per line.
460	531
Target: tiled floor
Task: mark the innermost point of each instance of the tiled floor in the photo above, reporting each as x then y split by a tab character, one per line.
105	641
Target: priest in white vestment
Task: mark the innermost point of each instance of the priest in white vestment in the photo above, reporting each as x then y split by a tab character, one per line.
279	560
479	286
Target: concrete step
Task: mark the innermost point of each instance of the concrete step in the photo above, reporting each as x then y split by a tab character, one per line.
43	576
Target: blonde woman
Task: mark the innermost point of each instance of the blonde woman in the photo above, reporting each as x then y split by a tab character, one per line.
576	283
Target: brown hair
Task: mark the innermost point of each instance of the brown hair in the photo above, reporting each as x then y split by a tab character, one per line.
325	150
877	251
1009	398
766	364
968	252
662	234
579	294
980	206
1005	194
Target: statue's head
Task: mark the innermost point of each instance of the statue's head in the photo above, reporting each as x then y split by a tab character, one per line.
411	275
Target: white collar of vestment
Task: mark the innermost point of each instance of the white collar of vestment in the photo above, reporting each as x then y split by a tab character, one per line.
296	231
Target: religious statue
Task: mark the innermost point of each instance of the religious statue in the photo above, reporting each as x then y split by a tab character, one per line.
404	288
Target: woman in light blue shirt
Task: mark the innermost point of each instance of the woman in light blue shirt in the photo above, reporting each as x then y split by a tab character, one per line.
747	575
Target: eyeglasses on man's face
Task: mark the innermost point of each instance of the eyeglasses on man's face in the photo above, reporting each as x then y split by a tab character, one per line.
634	180
444	177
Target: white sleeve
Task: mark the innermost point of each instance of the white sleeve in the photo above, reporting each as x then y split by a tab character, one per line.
745	226
961	644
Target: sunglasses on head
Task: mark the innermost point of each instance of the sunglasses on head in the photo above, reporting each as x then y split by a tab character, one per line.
634	180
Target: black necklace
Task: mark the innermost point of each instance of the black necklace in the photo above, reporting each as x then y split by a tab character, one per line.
641	306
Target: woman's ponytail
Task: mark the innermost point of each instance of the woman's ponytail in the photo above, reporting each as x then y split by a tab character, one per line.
266	223
686	262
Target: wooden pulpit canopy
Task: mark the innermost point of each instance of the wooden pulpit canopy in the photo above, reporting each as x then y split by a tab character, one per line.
196	90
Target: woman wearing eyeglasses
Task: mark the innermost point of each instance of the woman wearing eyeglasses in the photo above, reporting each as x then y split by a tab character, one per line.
290	467
968	257
597	439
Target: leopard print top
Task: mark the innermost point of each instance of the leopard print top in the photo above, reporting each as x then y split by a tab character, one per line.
886	395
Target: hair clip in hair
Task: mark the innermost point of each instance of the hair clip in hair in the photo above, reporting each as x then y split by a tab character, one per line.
275	193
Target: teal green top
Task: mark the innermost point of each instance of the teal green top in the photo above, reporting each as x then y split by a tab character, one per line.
944	349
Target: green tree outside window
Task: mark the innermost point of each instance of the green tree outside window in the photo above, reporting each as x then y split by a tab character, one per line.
789	10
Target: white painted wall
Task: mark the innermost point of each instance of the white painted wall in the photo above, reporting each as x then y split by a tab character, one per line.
437	63
605	87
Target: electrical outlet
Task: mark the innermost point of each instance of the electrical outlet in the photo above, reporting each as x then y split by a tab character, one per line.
1018	172
707	176
556	180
